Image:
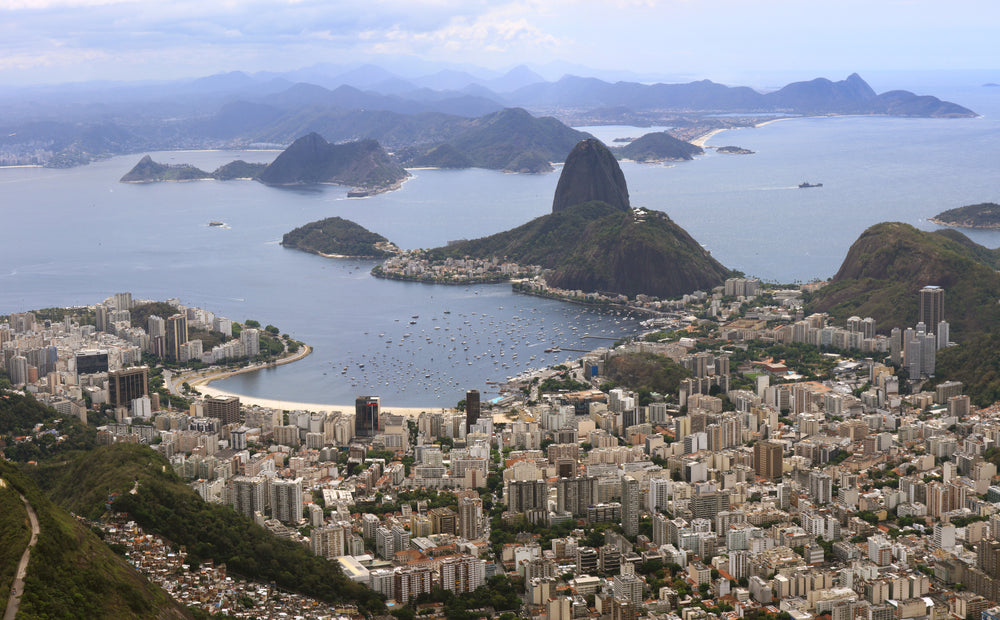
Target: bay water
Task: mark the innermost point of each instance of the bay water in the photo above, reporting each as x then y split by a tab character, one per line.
77	236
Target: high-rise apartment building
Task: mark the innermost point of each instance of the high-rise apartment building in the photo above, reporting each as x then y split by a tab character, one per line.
931	306
462	573
575	495
525	495
411	582
630	505
127	384
443	520
286	500
767	459
176	335
248	495
366	410
250	339
225	408
470	518
472	409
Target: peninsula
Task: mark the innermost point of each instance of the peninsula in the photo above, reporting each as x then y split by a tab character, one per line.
593	240
985	215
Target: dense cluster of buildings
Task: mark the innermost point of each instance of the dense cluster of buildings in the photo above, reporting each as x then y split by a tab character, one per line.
751	490
71	366
412	265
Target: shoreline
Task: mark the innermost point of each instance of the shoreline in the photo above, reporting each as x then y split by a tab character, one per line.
288	405
202	384
705	137
934	220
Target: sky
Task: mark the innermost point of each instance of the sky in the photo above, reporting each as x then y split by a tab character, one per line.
55	41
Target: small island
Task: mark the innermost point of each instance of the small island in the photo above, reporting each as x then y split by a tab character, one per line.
658	147
310	160
149	171
985	216
336	237
733	150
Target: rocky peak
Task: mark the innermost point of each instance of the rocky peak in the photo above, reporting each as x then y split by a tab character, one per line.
591	173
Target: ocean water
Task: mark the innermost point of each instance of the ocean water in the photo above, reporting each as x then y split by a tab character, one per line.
77	236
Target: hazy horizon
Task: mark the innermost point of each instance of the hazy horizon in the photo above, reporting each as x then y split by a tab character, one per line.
734	41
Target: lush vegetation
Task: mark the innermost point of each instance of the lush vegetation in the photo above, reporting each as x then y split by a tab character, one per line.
238	169
499	592
884	270
21	413
983	215
596	247
14	536
883	273
72	574
335	235
645	372
433	498
163	504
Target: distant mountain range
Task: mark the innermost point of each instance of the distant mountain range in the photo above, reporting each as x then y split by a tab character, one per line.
73	124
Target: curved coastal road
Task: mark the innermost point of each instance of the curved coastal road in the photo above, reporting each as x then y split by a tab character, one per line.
22	568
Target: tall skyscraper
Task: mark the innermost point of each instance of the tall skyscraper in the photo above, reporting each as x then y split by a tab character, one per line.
472	408
127	384
470	518
366	409
156	327
931	306
767	459
177	334
630	505
101	317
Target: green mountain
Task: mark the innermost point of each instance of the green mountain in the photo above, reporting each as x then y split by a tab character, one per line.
311	159
337	236
163	504
983	215
659	146
71	573
883	273
149	171
238	169
890	262
511	140
597	246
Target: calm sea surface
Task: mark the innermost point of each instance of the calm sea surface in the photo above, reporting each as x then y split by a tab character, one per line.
77	236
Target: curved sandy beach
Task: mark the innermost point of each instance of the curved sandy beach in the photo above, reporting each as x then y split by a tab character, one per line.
288	405
202	383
